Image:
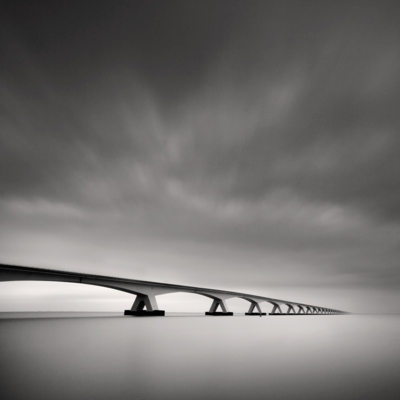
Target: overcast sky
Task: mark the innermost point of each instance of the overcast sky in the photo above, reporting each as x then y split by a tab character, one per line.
241	145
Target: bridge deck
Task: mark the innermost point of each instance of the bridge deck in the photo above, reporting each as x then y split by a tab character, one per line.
32	273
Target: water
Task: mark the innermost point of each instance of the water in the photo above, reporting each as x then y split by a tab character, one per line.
109	356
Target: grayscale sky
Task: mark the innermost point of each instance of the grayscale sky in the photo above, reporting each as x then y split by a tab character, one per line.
240	145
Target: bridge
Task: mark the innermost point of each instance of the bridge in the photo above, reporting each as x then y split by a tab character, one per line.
145	303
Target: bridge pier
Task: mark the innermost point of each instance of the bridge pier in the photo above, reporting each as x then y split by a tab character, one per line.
217	302
254	305
301	309
142	301
290	309
276	307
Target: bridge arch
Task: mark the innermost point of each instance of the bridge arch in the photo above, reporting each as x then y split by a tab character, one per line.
25	295
183	302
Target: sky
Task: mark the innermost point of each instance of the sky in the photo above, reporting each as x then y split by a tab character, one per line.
251	146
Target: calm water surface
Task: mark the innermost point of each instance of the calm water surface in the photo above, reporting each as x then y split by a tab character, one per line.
109	356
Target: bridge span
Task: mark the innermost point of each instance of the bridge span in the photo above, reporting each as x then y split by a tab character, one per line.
145	303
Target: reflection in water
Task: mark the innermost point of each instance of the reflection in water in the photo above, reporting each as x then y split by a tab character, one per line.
116	357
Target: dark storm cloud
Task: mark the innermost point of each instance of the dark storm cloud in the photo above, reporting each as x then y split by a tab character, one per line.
261	96
326	125
82	82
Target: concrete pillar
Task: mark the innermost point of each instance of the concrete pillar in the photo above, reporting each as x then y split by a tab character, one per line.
301	309
276	307
142	301
290	309
254	305
217	302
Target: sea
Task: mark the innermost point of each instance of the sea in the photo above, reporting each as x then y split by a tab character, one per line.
95	356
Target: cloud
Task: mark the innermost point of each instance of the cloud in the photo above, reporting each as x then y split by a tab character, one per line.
319	126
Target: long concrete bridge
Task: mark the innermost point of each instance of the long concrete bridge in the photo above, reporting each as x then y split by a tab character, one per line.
145	303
